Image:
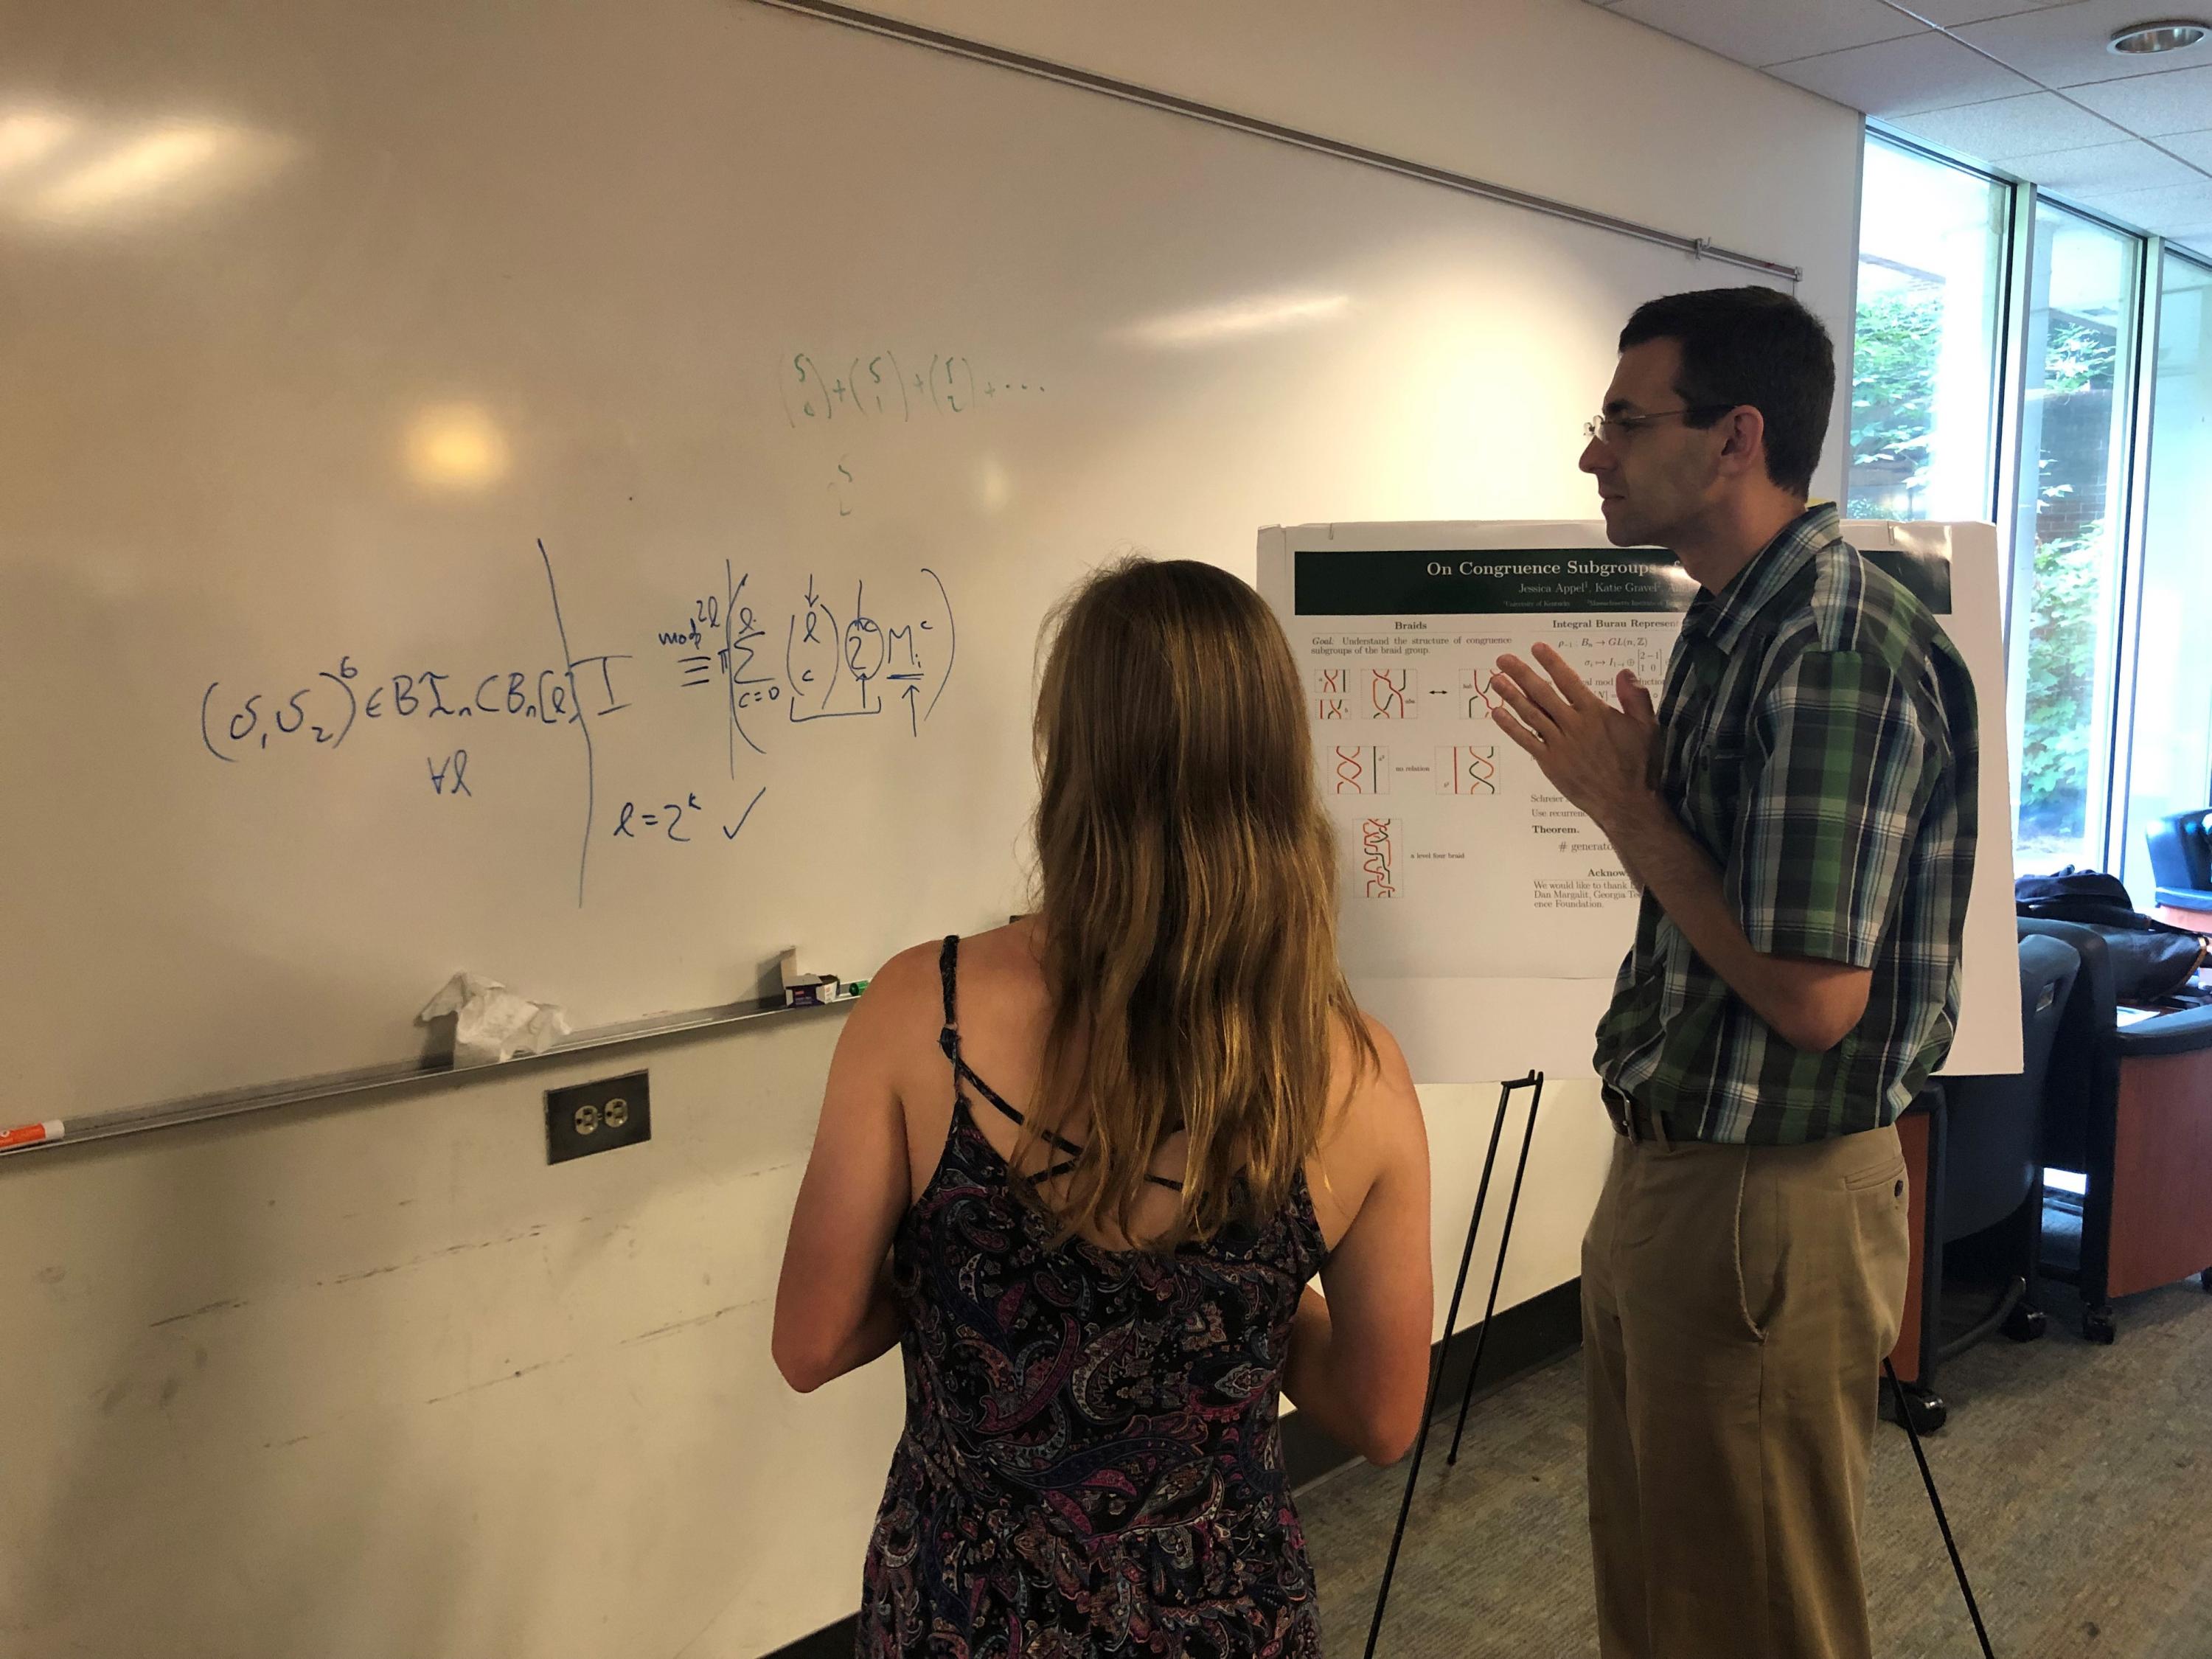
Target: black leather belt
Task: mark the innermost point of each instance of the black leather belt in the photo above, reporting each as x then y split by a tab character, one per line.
1632	1118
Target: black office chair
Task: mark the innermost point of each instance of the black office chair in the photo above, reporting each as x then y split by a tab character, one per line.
2181	859
1983	1209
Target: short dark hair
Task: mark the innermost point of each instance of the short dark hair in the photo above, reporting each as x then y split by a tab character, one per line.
1754	347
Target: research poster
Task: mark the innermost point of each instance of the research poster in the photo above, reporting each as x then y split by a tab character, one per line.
1481	913
1444	818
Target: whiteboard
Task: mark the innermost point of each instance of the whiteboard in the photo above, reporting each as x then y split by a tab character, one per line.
629	396
1482	916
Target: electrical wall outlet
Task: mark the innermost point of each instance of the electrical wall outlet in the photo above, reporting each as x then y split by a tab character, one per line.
597	1117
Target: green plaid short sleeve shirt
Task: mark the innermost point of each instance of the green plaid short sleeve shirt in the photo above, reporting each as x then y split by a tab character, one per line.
1819	739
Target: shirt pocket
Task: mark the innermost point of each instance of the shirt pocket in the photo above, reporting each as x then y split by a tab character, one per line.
1707	788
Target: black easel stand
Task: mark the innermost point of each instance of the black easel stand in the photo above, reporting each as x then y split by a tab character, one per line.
1534	1080
1498	1274
1942	1520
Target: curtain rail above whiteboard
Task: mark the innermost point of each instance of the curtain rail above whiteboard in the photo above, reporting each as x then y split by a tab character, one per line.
1129	92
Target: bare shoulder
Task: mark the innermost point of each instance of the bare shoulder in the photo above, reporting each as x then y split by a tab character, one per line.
1003	960
1374	1124
904	1007
904	988
1369	1092
1005	1005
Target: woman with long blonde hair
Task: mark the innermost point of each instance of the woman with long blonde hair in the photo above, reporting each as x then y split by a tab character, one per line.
1083	1168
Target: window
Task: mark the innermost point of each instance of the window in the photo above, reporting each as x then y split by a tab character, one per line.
2109	568
1924	368
2079	353
2171	760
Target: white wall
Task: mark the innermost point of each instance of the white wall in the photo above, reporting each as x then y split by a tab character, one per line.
372	1380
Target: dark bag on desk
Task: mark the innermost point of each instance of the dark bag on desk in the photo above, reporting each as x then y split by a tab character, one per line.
2150	959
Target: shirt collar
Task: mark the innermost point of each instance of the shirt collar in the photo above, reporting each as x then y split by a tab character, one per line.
1723	616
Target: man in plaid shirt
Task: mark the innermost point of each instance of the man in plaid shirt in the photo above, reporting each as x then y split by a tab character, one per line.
1800	814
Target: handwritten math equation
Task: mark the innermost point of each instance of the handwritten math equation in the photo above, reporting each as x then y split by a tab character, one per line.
236	723
831	659
775	664
883	385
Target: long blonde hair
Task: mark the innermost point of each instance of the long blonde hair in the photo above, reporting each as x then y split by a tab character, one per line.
1187	889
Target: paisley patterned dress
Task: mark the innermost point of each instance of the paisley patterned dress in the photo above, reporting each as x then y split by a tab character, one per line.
1091	1464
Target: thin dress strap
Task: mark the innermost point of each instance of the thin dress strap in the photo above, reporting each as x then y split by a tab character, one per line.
948	973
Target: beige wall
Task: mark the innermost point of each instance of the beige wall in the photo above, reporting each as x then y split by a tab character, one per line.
374	1380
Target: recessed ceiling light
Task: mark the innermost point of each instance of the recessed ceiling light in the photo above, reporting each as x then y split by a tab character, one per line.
2169	35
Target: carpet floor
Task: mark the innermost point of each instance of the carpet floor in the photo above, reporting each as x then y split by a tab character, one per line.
2078	1479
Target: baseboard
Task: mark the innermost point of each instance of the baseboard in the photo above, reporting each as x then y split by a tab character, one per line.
1534	1332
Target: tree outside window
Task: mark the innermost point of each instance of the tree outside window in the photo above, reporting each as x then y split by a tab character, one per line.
2083	314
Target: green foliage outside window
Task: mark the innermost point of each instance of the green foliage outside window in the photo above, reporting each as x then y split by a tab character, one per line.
2072	563
1894	365
1893	397
2062	662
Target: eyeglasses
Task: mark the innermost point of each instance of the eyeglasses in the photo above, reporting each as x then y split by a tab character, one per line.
1612	428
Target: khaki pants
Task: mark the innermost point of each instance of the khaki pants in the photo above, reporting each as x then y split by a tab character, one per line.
1737	1302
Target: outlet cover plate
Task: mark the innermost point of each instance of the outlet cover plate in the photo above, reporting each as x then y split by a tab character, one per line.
598	1116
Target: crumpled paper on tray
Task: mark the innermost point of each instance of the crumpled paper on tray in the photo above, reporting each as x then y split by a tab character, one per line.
491	1023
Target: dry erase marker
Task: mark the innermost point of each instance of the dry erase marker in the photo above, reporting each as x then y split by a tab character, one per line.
30	1135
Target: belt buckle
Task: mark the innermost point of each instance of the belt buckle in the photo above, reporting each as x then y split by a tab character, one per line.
1621	1110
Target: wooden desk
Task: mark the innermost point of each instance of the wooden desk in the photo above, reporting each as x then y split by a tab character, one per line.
2161	1172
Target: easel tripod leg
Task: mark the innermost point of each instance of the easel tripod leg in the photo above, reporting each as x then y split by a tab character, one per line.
1942	1520
1497	1274
1443	1355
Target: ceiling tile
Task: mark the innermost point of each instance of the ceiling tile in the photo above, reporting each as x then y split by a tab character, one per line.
2192	146
2153	104
1901	78
2064	45
1762	32
2106	169
1952	12
1990	132
2156	210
